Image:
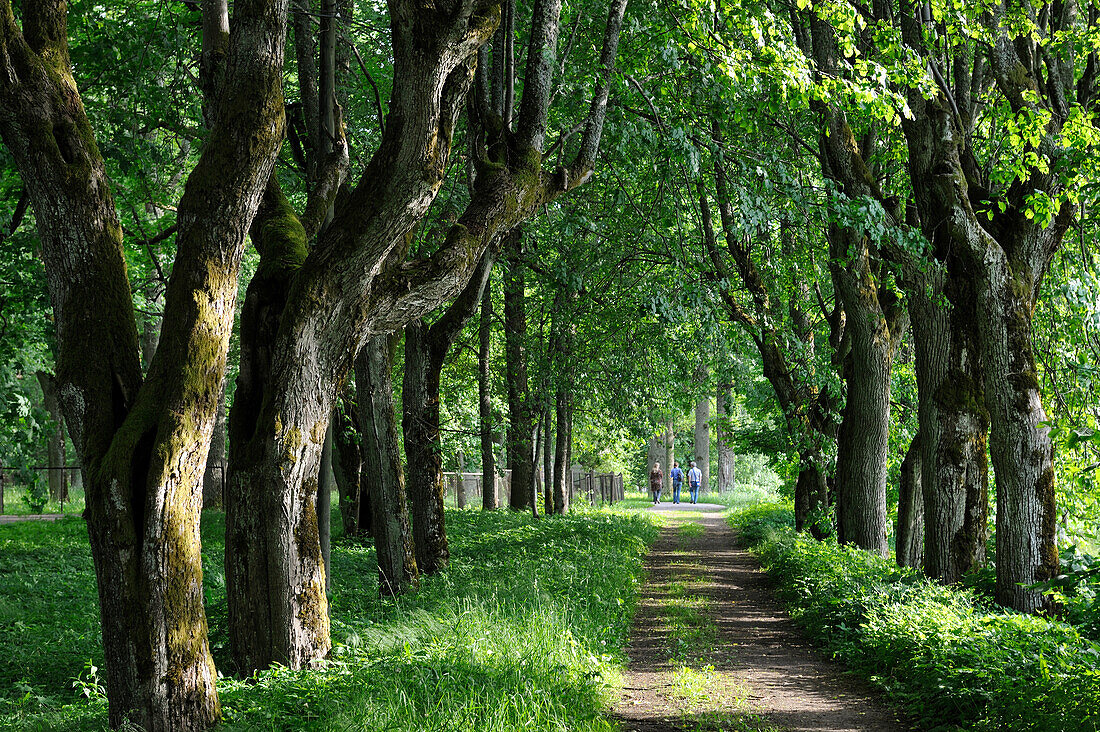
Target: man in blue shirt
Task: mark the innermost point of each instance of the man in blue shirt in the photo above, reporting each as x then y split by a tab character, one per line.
677	476
695	477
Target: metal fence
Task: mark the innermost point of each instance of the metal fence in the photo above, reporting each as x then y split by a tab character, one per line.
70	479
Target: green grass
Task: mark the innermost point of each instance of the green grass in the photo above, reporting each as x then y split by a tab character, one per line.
949	659
525	631
15	503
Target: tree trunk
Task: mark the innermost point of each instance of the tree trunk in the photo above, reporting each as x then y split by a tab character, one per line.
874	324
953	424
723	434
670	447
426	349
489	498
1019	444
274	571
382	473
423	442
143	444
150	339
520	421
702	441
325	483
548	460
213	480
347	466
655	453
562	473
55	445
909	546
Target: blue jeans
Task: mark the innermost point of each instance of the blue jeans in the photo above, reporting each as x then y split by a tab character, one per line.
676	492
656	493
694	492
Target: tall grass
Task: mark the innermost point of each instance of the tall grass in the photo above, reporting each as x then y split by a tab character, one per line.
524	631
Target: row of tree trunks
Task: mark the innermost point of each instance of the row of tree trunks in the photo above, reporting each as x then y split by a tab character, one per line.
985	362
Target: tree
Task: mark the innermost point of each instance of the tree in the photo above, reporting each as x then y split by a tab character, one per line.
342	294
426	348
143	442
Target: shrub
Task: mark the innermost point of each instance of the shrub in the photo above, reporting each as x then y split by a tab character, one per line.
760	521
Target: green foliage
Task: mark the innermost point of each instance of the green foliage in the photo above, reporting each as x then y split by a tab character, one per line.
760	522
524	631
952	662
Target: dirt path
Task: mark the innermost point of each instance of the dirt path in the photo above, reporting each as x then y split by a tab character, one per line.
12	518
711	648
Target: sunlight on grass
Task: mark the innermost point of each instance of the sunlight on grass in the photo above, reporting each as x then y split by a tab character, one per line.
524	631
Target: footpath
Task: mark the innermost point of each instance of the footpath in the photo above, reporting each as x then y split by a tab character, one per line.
711	649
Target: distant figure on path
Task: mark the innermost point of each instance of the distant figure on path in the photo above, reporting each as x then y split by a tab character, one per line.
677	476
656	481
695	477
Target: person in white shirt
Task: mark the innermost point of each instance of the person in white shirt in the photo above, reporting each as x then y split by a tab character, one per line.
695	477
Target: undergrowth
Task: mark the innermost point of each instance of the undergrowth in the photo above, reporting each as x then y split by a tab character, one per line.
949	659
524	631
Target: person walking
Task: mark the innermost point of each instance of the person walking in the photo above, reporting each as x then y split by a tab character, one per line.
677	477
656	481
695	477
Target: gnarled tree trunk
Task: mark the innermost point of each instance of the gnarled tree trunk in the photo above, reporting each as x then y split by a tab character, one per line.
143	443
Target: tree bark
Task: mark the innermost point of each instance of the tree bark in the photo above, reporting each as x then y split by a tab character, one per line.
520	422
382	473
953	423
863	443
909	547
426	349
489	497
724	439
562	472
143	443
325	483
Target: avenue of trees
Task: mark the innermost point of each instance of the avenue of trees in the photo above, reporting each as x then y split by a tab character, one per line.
255	255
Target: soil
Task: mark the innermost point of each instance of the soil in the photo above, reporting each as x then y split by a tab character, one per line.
760	672
12	518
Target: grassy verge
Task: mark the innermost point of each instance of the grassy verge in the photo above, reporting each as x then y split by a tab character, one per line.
525	631
945	655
